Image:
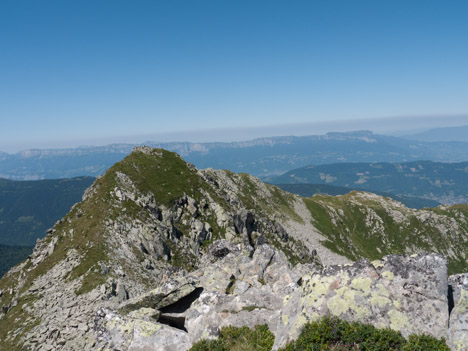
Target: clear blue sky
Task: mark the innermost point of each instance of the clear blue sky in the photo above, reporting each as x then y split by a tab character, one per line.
76	71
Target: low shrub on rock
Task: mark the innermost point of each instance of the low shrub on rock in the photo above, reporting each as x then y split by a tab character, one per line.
239	339
331	333
326	334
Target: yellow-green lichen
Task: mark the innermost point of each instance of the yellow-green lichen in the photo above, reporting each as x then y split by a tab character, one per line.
398	321
345	300
377	263
362	284
286	299
460	345
144	312
298	323
380	301
314	289
344	278
362	312
337	305
285	319
146	329
462	304
381	290
123	326
388	275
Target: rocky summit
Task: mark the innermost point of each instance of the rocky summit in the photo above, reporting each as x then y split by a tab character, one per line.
160	255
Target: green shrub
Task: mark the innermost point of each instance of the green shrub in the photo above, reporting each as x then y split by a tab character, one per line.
326	334
424	343
331	333
239	339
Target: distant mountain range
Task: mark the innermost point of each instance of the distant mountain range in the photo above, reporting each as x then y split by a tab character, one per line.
443	182
29	208
260	157
459	133
308	190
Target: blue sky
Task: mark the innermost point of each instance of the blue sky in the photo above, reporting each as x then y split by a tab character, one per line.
74	72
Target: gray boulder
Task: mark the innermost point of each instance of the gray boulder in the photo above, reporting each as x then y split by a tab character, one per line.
235	287
458	329
166	294
137	332
408	294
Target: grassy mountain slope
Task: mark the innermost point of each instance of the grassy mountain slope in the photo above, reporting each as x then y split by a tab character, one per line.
443	182
362	224
152	215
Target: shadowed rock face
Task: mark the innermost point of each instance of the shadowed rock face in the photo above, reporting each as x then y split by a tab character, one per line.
405	293
458	331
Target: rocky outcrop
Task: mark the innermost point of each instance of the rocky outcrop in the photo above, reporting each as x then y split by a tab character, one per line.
404	293
236	286
399	292
458	330
148	218
160	253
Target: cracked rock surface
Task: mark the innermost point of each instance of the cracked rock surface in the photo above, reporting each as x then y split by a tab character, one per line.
405	293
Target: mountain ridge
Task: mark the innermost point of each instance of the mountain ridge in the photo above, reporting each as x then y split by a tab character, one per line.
458	133
308	190
260	157
443	182
148	234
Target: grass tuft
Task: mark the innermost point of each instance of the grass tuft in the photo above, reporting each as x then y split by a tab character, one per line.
238	339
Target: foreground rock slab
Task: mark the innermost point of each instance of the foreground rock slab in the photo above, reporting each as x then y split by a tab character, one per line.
400	292
237	287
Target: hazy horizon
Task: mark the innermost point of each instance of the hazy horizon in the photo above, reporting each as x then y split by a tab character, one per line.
90	72
76	73
393	126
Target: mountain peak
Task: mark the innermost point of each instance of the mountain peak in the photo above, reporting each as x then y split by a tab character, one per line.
145	240
150	215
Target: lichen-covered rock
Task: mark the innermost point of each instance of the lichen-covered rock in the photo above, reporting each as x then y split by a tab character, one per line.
117	332
400	292
458	329
457	283
237	288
